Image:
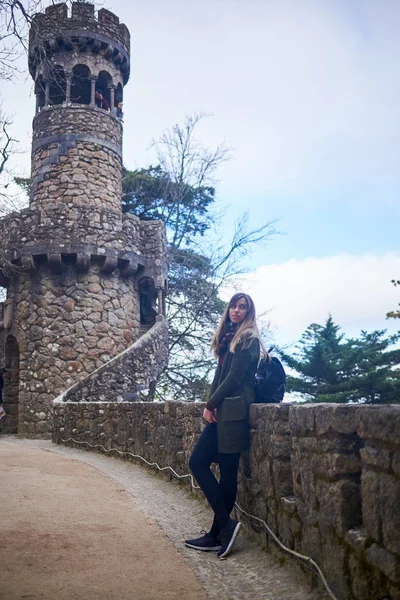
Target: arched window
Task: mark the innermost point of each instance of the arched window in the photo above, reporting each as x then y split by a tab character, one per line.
57	85
80	85
148	301
104	80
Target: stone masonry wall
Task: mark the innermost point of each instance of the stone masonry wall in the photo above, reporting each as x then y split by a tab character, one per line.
67	325
123	377
326	478
79	229
56	19
153	244
79	119
76	158
2	343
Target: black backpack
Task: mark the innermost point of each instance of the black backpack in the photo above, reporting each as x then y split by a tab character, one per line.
270	381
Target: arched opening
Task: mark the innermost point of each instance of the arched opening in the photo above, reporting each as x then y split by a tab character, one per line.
11	385
118	102
103	83
148	301
80	85
57	85
40	93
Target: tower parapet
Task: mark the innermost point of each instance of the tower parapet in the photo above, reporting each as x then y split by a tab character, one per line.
55	24
71	56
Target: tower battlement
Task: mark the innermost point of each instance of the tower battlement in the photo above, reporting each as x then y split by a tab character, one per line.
54	31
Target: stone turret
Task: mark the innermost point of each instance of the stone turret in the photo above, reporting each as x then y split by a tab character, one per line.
70	56
86	278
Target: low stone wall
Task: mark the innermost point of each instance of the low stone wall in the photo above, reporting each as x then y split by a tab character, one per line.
326	478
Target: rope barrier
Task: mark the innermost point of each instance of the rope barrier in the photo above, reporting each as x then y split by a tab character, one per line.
307	560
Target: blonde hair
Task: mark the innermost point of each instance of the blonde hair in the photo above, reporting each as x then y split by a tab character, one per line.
247	331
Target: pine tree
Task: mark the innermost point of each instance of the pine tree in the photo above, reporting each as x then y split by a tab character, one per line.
332	368
375	374
394	314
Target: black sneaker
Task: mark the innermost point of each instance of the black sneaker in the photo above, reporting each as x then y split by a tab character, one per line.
205	543
228	538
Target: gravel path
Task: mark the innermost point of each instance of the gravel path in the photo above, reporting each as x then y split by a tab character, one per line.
248	574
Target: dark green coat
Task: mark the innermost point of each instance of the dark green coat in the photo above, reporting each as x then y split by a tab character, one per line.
231	393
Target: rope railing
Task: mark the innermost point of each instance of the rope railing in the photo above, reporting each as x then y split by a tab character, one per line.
307	560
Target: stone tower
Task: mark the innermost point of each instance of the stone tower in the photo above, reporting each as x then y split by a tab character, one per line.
83	279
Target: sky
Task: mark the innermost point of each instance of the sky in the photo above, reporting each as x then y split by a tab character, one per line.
306	94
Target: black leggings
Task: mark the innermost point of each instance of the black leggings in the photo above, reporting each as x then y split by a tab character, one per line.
221	496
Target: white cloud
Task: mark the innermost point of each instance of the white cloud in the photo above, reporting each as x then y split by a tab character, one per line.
304	91
356	290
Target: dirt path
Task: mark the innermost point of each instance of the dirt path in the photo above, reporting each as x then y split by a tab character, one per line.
69	532
79	525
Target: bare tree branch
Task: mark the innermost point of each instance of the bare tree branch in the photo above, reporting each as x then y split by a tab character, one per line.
15	19
191	167
6	141
10	198
198	271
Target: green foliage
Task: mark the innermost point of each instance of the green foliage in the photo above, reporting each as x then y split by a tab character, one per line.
180	191
194	309
152	194
334	369
394	314
193	305
23	183
143	192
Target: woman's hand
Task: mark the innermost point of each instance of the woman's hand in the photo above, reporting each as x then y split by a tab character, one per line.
210	415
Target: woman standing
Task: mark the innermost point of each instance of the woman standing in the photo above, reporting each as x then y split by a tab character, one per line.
236	344
118	110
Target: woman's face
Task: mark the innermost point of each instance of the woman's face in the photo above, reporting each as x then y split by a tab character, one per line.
238	310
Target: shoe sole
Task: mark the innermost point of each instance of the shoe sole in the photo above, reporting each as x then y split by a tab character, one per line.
213	548
231	543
